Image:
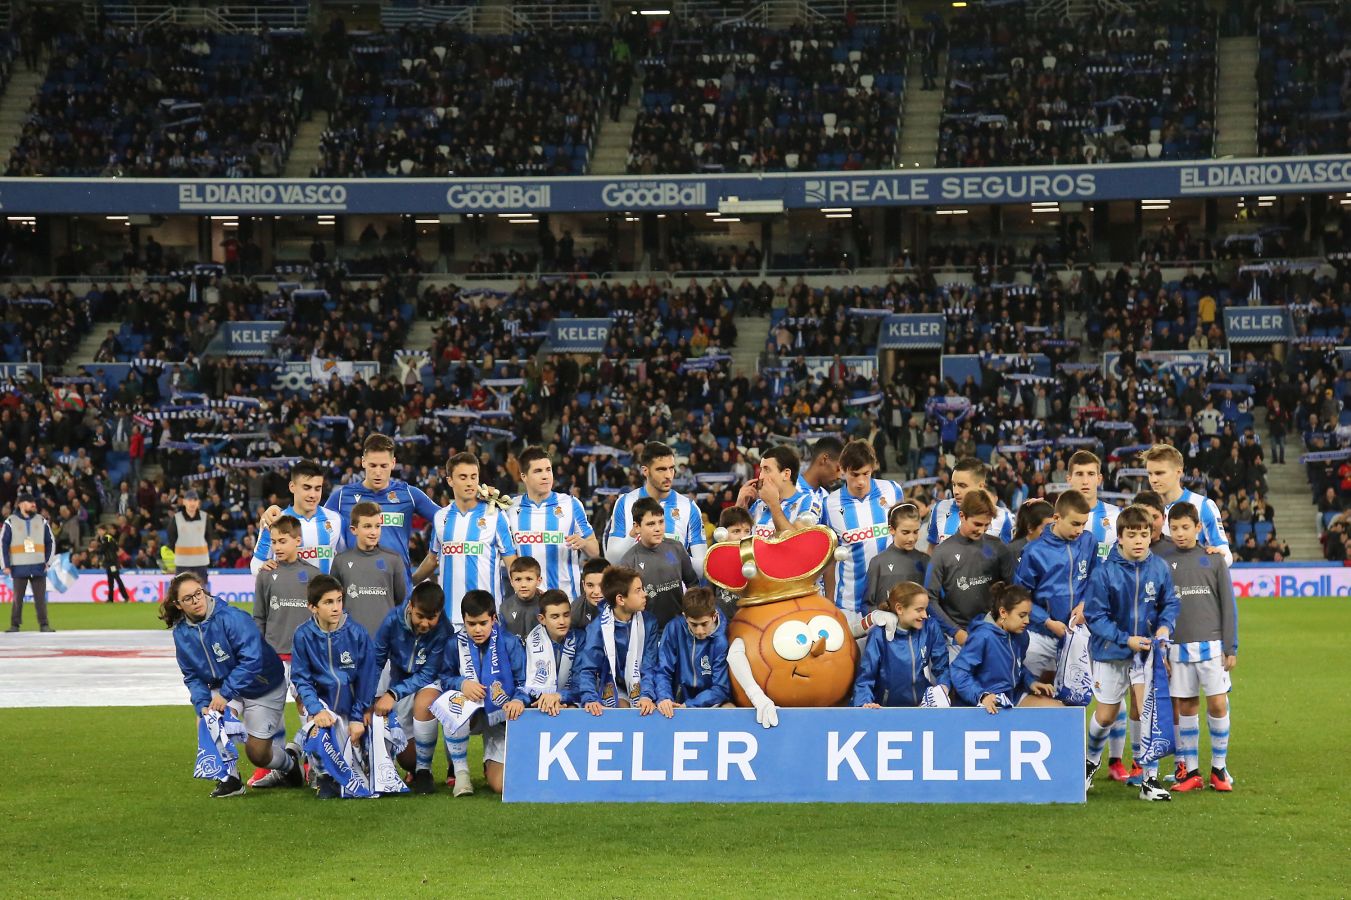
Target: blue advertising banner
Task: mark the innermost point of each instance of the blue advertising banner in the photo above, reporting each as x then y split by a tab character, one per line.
250	338
20	371
831	755
912	331
578	335
916	187
1257	324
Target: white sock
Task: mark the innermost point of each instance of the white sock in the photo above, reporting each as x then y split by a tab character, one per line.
457	748
1219	739
1116	743
1188	741
1097	739
281	760
1134	727
424	742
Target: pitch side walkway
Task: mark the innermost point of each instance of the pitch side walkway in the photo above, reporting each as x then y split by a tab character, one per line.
89	668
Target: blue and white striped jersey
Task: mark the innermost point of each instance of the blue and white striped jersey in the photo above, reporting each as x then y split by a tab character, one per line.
819	493
470	546
801	503
1212	527
944	519
1102	522
684	525
322	537
862	528
540	531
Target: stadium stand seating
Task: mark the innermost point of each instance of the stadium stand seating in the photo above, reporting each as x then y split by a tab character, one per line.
742	98
1024	90
1304	80
164	101
440	101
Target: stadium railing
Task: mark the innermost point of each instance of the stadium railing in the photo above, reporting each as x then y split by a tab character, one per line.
221	18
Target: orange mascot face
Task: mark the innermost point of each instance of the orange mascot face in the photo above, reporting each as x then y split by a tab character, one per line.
800	651
797	642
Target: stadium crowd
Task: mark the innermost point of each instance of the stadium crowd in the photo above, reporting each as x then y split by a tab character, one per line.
1130	85
1304	80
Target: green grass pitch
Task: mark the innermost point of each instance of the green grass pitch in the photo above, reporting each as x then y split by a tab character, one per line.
131	822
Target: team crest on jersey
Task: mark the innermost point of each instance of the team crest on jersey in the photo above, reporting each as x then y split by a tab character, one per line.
392	497
351	591
1083	568
421	659
558	510
1149	589
962	583
221	655
675	513
705	666
1106	522
346	658
328	526
276	604
482	522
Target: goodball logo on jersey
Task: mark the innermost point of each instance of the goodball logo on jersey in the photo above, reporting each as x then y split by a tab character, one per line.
538	537
855	535
498	196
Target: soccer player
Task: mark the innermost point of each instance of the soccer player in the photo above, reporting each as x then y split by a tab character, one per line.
1129	604
519	613
777	499
821	471
471	540
551	655
333	668
692	661
666	570
1086	477
397	498
619	656
900	562
684	522
225	662
969	474
963	568
412	639
550	527
989	672
322	530
371	575
898	671
486	664
1055	569
1203	652
1164	464
857	512
587	604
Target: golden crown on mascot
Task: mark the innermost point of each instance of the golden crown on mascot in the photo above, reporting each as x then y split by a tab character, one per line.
787	644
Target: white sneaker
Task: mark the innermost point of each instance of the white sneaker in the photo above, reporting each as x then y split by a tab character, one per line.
464	785
1150	789
274	778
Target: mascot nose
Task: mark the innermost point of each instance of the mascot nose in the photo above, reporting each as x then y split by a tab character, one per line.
819	647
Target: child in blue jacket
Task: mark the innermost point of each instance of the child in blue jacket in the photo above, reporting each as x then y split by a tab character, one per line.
1130	603
692	661
989	670
1055	568
225	662
618	661
412	639
333	667
551	650
897	671
486	664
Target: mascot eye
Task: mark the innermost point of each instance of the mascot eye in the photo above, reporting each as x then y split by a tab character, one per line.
828	628
793	640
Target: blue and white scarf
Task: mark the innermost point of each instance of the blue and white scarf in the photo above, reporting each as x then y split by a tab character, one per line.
490	669
1074	669
547	675
386	740
339	759
936	697
633	660
217	734
1156	713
